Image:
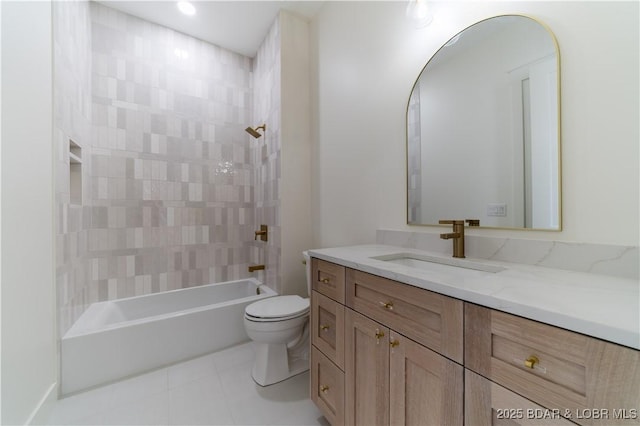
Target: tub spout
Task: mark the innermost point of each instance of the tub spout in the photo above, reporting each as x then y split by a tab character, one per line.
254	268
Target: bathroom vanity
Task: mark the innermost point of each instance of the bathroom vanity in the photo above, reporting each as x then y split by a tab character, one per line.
401	336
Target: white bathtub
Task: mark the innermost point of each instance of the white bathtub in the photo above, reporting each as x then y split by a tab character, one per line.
115	339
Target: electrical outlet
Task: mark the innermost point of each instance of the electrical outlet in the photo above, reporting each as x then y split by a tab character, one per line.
497	209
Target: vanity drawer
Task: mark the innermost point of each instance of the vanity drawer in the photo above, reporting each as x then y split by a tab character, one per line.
327	327
570	371
327	387
429	318
489	404
328	278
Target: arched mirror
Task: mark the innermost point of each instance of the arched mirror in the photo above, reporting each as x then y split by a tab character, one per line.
483	119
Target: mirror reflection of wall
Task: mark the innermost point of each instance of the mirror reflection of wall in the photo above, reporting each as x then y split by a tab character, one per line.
482	121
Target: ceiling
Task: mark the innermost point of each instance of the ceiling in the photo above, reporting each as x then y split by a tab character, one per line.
237	25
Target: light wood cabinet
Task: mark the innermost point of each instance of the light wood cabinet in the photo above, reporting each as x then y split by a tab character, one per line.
328	278
327	327
327	387
327	339
429	318
425	387
586	379
489	404
366	371
390	379
389	353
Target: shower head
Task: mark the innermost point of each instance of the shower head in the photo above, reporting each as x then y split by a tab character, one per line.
254	132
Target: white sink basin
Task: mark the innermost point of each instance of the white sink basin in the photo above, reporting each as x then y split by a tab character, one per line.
439	264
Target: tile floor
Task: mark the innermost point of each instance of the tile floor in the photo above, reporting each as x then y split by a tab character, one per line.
216	389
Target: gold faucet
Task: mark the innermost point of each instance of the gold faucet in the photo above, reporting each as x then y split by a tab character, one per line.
457	235
262	233
254	268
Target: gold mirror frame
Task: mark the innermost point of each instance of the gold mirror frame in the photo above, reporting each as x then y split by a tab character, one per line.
557	167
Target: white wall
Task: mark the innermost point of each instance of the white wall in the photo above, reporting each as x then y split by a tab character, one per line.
28	316
367	57
295	184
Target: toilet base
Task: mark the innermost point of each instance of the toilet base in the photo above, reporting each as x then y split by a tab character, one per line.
275	363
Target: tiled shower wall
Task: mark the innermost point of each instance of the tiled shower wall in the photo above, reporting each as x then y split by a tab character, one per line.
171	176
72	120
169	180
266	152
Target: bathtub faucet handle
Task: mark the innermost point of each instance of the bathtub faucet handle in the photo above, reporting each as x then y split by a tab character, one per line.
262	233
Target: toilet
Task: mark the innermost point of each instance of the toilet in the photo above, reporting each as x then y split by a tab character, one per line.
279	326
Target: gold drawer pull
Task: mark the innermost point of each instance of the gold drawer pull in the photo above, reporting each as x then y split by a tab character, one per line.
388	305
324	327
379	335
394	343
325	280
531	361
324	388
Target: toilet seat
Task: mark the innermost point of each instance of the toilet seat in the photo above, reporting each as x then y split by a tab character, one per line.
278	308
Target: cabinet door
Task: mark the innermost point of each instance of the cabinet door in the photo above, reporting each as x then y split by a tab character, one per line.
425	387
366	371
592	381
327	327
489	404
327	387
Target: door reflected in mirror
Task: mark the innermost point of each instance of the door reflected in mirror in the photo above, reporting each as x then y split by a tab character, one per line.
483	119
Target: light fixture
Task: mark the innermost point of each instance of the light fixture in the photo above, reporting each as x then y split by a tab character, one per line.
418	12
186	8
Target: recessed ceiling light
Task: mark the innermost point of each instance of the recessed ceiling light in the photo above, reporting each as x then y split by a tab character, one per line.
186	8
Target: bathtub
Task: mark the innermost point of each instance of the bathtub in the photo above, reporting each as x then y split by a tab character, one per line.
119	338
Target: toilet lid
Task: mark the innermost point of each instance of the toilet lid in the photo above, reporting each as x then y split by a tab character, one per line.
278	307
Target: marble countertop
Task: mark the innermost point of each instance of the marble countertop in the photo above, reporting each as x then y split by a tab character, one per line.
596	305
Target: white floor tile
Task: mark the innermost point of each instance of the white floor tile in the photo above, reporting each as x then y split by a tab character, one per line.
188	371
73	409
150	410
216	389
199	392
199	402
301	413
254	410
233	356
135	388
237	382
293	389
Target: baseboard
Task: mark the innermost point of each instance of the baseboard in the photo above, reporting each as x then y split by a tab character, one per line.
41	413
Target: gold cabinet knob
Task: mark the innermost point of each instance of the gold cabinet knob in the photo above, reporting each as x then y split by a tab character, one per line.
379	334
324	327
394	343
324	388
325	280
387	305
531	361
